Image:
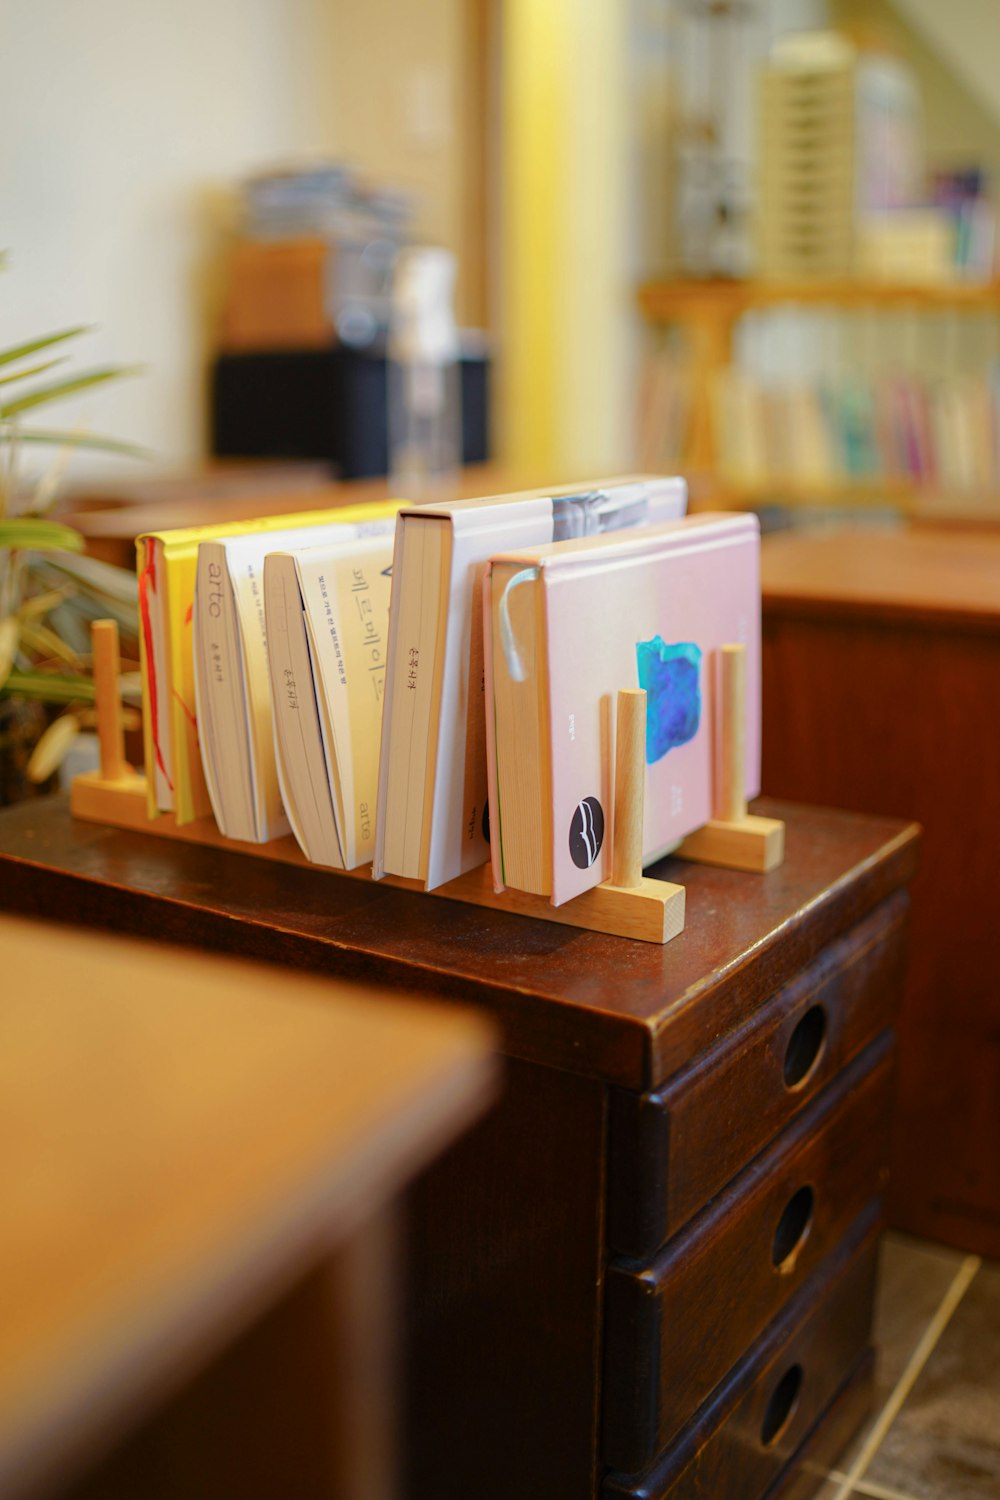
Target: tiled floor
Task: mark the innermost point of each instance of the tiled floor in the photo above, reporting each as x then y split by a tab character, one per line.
935	1432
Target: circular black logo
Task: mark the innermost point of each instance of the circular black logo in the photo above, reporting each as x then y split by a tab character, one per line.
586	833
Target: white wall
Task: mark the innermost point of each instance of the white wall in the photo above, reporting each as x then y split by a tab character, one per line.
122	124
398	71
965	34
960	127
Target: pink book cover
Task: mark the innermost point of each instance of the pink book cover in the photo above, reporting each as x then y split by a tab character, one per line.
650	610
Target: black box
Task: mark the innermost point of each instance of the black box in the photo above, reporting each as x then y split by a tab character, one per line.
329	404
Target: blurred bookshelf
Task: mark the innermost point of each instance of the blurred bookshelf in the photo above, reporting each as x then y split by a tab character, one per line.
919	437
665	301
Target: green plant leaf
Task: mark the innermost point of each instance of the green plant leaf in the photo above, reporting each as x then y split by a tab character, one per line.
46	364
47	645
40	536
40	604
53	747
73	625
101	579
53	439
49	687
90	718
10	634
61	388
72	618
21	351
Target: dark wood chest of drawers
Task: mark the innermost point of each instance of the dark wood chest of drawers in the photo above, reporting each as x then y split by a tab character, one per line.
880	661
649	1272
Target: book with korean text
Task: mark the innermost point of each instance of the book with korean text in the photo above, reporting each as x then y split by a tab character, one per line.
327	614
431	822
232	682
167	565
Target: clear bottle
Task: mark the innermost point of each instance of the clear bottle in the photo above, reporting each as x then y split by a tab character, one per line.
425	416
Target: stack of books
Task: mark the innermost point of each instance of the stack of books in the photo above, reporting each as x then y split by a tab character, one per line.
430	688
900	397
898	429
324	198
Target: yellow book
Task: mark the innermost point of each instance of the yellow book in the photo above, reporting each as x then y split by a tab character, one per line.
167	563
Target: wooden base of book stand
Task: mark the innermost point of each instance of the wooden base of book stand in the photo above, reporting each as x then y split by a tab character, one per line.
634	907
631	905
735	839
747	843
652	910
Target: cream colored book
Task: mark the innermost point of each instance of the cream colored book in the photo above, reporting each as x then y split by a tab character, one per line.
167	564
327	619
232	682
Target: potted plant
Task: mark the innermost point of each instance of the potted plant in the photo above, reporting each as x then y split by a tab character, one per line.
49	591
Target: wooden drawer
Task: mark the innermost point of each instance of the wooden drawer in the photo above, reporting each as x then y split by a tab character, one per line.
825	1444
813	1363
674	1328
673	1150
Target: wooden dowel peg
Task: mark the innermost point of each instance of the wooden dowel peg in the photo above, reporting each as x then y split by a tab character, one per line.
107	665
734	839
630	775
732	802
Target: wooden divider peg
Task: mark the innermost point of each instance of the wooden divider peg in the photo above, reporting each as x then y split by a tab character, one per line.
732	802
110	732
630	776
734	838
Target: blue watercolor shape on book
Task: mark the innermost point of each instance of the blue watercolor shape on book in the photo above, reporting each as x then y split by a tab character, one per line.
671	676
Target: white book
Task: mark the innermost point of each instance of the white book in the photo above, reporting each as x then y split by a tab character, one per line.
327	618
431	822
232	682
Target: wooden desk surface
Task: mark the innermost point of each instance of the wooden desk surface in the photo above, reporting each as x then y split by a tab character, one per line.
182	1136
111	530
940	577
628	1012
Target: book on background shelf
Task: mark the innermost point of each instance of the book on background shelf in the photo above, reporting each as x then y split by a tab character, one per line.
167	566
432	791
903	429
327	617
232	682
964	195
663	408
819	391
569	624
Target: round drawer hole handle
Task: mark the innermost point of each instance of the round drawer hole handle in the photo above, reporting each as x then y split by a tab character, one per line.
805	1047
793	1227
781	1405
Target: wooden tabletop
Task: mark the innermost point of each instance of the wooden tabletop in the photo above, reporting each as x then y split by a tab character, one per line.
181	1136
110	528
901	574
629	1012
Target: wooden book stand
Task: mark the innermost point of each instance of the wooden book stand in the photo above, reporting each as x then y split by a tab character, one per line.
629	905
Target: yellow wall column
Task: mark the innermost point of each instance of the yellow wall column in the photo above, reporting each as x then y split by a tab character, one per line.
565	302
